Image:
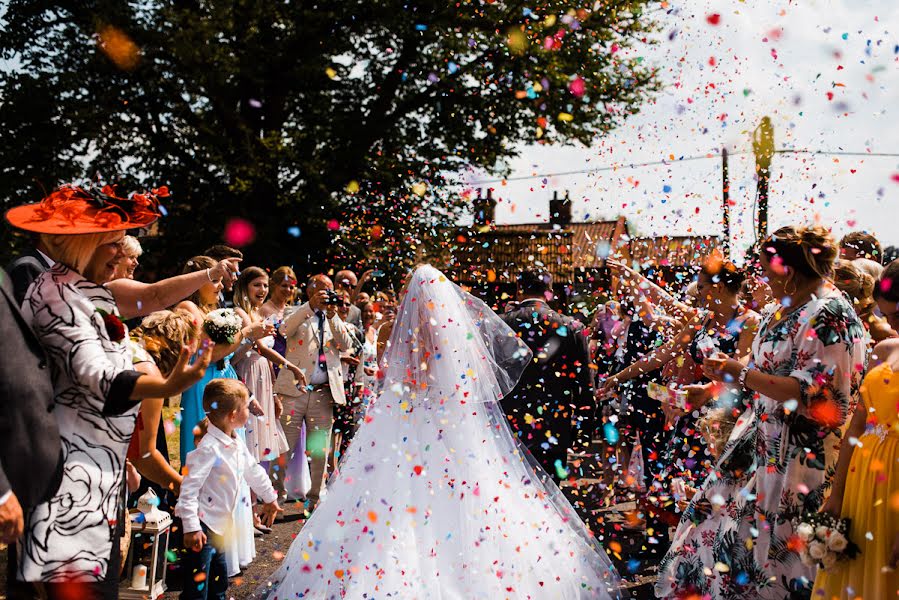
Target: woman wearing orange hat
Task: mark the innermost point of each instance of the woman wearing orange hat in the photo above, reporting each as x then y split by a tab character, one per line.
70	544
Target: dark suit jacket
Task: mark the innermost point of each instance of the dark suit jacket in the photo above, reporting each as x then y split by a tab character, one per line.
25	269
556	388
30	450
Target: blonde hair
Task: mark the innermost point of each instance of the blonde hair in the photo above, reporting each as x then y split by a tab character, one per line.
131	246
855	283
76	251
163	333
223	396
242	288
199	263
278	276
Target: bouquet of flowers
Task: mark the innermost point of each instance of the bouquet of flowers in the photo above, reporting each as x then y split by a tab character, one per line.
222	325
825	540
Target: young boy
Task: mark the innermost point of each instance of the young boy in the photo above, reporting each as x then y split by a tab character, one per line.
209	492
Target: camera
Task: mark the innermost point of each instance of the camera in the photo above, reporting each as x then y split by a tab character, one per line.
332	299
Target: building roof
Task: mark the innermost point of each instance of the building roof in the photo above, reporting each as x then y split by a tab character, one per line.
507	249
672	251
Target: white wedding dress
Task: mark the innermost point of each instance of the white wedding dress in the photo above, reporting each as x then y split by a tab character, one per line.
435	499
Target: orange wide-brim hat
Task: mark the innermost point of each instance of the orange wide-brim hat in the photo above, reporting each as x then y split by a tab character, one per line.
72	209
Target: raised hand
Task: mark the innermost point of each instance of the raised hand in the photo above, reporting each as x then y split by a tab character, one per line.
184	375
226	270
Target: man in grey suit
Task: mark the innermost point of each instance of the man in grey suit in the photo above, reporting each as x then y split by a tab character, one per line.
30	450
25	269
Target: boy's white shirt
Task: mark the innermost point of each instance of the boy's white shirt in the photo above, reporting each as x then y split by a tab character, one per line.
209	490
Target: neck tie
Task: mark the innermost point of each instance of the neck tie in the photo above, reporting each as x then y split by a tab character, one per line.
322	362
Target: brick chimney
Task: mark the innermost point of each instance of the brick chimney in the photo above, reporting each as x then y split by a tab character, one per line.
560	210
484	209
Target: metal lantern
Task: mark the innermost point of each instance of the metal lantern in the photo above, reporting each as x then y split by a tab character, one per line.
144	575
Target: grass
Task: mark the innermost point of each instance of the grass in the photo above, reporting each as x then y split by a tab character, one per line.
173	439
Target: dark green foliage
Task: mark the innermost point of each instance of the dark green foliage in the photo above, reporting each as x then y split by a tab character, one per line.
267	110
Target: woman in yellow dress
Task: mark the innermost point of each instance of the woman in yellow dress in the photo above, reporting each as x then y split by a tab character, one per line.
866	484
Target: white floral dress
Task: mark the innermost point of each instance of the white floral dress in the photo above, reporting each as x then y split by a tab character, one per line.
70	537
736	539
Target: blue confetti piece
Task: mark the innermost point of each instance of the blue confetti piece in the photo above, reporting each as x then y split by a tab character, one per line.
294	231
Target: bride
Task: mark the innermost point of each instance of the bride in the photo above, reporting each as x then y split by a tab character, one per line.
435	498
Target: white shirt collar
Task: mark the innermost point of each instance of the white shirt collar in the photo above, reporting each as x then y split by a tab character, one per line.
220	435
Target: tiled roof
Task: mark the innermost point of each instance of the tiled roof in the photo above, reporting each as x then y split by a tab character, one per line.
672	251
507	249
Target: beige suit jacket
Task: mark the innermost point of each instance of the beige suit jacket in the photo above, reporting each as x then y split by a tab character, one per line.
301	330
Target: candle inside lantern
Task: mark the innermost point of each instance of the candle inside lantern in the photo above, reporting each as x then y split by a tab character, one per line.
139	577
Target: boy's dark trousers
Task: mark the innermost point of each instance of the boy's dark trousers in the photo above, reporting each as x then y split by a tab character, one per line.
205	572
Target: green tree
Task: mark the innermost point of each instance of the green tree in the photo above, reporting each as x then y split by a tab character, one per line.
351	113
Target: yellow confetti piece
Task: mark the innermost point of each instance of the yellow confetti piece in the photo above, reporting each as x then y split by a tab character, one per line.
352	187
419	189
566	117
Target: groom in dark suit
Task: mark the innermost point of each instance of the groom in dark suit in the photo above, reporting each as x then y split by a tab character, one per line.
556	389
30	450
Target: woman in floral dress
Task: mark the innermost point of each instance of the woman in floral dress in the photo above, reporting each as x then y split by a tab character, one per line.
736	539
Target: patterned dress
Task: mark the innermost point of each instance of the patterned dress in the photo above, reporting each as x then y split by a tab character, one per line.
736	539
70	537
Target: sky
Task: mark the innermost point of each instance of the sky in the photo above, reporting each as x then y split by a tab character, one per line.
825	71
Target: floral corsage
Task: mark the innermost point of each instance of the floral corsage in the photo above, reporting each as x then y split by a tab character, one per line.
115	329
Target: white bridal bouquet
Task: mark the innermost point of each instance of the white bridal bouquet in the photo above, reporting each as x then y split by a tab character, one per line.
222	325
825	540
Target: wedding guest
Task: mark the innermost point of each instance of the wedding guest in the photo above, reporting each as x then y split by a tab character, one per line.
367	372
25	268
31	458
346	280
362	298
71	548
221	252
556	389
242	548
290	475
723	326
155	345
859	288
253	363
734	540
216	470
128	262
865	487
344	424
860	244
315	338
282	289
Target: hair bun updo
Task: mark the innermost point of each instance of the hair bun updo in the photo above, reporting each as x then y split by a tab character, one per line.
810	251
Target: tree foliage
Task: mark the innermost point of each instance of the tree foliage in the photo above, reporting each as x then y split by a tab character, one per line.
336	117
